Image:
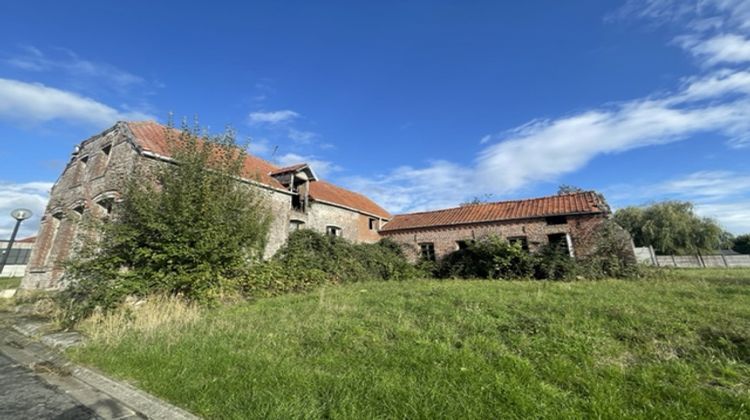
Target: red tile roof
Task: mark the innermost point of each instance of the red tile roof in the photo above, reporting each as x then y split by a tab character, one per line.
577	203
152	137
325	191
29	240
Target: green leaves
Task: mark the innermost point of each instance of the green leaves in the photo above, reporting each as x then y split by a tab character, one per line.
671	227
180	228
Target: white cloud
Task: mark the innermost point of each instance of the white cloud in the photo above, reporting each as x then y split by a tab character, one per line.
725	48
438	185
259	147
302	137
696	14
733	216
707	185
37	103
321	167
69	63
714	31
30	195
719	194
544	150
272	117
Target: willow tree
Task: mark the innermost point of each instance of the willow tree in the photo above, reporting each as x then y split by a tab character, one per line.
670	227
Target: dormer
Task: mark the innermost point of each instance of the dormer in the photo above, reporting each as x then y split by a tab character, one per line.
296	178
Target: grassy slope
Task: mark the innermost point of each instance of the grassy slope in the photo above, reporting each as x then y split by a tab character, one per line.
457	349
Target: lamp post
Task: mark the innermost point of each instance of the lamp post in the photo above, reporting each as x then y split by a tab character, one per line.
20	215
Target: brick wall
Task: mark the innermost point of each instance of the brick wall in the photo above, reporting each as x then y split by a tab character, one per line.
99	171
81	186
445	239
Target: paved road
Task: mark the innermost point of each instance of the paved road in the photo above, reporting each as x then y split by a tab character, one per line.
23	395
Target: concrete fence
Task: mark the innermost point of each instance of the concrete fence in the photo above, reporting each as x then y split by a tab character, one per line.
646	255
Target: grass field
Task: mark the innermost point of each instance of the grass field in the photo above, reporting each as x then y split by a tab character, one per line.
676	347
9	282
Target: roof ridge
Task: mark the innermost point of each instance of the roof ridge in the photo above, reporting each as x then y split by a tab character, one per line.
153	122
520	200
145	133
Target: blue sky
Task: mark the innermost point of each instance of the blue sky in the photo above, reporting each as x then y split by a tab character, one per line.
418	104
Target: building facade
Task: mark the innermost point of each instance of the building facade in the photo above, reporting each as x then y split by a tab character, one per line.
18	257
564	219
99	167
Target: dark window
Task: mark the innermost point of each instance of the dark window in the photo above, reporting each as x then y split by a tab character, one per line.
463	244
16	256
560	241
521	240
106	149
557	220
333	231
298	203
427	251
79	210
106	205
373	224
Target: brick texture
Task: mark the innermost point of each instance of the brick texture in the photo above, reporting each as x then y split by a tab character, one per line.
100	167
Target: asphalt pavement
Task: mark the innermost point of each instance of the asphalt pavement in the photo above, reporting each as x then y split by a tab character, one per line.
24	395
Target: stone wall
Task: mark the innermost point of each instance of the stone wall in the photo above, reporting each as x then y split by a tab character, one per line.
91	179
445	239
354	226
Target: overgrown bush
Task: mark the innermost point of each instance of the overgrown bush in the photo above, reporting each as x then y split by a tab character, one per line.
490	257
310	259
553	262
609	255
343	261
270	278
609	252
180	229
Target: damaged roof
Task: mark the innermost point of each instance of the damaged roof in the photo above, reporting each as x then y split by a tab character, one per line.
152	137
588	202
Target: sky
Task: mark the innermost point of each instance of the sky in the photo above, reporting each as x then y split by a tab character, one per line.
418	104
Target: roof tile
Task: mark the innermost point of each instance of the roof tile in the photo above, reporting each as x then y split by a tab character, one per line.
152	136
575	203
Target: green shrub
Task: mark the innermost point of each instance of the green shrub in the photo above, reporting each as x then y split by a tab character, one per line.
490	257
270	278
179	229
609	255
553	262
609	252
343	261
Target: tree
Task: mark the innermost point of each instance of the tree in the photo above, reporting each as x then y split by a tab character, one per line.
568	189
670	227
742	244
485	198
726	241
181	228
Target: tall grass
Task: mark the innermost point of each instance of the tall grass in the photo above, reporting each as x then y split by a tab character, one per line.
672	347
158	317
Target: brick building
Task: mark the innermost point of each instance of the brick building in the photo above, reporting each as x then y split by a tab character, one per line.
96	173
564	219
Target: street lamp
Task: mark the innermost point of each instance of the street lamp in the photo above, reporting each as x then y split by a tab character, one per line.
20	215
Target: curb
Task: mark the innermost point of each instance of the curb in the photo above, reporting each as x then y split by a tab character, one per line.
105	396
